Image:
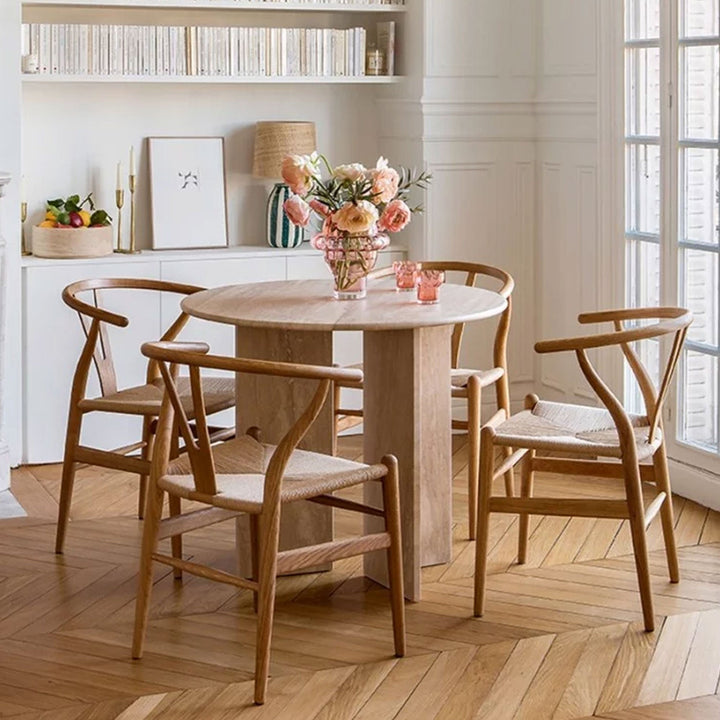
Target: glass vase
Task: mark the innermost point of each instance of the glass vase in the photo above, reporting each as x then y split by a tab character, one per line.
350	258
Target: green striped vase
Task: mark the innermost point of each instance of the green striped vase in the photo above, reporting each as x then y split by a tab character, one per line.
281	233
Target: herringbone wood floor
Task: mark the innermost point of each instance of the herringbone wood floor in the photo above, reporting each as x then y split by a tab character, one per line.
561	638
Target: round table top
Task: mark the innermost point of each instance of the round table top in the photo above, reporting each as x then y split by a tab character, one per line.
309	305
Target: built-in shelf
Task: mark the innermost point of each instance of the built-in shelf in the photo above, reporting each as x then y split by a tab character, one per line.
216	79
228	253
224	5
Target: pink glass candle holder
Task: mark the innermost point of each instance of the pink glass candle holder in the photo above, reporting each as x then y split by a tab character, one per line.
428	286
405	275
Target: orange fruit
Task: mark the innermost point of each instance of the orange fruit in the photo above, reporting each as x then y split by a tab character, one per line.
48	223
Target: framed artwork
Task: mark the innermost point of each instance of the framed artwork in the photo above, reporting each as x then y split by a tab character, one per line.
187	192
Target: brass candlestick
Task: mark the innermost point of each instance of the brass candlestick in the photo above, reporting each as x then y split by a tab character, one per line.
119	202
131	250
131	181
23	218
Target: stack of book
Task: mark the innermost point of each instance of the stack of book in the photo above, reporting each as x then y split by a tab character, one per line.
174	50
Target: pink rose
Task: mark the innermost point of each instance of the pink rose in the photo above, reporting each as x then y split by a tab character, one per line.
299	171
320	208
385	181
395	217
297	210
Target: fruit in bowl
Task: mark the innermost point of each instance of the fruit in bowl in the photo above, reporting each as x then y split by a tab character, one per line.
73	228
70	213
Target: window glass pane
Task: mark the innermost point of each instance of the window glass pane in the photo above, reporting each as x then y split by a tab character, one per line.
699	397
643	19
699	17
700	284
643	78
699	75
643	188
699	195
644	274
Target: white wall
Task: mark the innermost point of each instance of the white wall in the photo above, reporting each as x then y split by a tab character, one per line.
567	241
10	162
472	122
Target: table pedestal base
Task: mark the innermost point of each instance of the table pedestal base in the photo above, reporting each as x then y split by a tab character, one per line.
273	404
407	408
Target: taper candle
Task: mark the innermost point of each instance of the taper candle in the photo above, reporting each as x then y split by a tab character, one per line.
22	188
118	182
132	160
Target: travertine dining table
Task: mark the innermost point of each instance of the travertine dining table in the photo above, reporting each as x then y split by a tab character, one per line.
407	403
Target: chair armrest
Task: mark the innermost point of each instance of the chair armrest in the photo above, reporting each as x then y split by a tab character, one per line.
621	314
673	319
179	353
92	311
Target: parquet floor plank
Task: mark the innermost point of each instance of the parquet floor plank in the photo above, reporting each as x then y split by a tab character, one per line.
516	677
436	685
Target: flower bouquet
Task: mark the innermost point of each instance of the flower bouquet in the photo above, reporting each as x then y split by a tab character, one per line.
357	207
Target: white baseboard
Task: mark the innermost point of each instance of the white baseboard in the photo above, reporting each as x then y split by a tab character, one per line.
4	467
695	484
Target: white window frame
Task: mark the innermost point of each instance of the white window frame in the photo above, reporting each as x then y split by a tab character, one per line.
670	184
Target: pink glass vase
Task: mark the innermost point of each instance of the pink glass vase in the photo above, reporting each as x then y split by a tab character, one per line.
350	259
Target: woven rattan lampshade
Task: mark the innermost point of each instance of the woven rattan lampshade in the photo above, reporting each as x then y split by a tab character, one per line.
276	139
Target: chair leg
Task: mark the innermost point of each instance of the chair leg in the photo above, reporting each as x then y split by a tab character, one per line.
526	490
174	503
487	466
72	439
502	393
662	482
474	424
633	488
254	555
336	390
149	545
391	503
268	532
148	438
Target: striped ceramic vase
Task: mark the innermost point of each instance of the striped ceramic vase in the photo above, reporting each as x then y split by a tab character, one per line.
281	233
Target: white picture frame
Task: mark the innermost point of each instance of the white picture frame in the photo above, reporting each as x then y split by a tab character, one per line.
187	192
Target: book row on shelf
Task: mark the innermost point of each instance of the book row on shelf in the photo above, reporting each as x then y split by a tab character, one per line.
173	50
330	2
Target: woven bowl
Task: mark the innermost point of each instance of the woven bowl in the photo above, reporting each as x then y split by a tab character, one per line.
86	242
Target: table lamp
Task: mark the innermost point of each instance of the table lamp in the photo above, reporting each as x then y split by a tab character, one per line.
273	141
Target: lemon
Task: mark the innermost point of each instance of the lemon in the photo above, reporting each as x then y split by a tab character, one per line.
85	215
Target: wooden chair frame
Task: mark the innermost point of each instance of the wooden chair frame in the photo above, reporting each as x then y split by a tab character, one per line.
96	351
670	321
268	561
475	385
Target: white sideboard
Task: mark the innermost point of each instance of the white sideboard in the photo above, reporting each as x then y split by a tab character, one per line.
53	336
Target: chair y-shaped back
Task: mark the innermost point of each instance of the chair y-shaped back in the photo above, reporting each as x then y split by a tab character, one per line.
142	400
578	430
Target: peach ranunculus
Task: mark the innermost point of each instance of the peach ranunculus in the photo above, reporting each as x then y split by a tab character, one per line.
355	219
297	210
385	181
395	217
352	172
320	207
299	171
